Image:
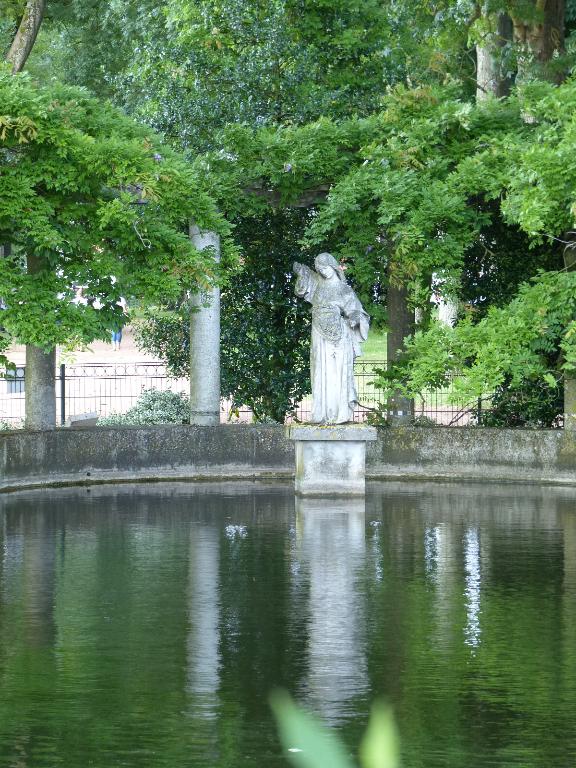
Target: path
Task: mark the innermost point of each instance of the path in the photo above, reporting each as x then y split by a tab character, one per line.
97	352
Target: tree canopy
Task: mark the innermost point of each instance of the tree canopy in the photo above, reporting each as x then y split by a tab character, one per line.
89	198
364	114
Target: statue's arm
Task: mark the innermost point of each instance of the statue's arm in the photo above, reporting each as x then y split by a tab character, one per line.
305	281
357	318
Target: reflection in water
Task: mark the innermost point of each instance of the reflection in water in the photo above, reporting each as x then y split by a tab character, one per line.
145	627
39	581
203	639
447	582
472	588
431	549
568	515
332	545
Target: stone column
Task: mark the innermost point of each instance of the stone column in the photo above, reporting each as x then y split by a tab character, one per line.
491	78
205	342
447	307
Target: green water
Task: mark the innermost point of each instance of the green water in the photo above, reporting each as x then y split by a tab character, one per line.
145	626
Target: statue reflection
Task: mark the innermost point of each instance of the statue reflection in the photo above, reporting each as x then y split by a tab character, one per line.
331	548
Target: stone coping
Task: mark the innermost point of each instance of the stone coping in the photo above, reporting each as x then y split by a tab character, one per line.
333	432
92	455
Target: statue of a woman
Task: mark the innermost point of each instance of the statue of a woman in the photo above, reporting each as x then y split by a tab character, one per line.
339	325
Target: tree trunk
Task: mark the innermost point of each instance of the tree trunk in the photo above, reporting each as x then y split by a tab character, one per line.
491	78
26	35
400	325
40	383
539	40
570	403
40	378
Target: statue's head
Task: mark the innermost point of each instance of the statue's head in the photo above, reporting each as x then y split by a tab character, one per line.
327	260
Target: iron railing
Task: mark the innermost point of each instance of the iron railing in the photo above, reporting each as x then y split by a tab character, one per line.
104	389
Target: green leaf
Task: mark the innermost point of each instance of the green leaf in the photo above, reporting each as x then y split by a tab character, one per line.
307	743
550	380
380	747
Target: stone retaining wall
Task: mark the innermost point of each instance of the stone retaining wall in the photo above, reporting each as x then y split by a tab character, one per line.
474	453
100	454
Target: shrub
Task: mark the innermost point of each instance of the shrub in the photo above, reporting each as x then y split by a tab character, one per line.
529	404
153	407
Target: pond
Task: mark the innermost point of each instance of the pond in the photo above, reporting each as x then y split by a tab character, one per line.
145	626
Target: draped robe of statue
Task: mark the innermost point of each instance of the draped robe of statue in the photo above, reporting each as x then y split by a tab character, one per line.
339	325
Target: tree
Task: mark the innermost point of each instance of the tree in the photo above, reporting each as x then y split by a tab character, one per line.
201	65
190	67
407	191
531	339
87	198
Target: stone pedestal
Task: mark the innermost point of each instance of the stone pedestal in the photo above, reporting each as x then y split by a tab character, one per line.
330	460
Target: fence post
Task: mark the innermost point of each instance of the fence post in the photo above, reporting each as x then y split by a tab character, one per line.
62	394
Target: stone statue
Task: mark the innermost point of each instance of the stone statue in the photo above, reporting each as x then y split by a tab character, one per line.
339	325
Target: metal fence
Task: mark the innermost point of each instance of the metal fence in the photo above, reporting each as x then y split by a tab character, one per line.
90	388
114	388
439	405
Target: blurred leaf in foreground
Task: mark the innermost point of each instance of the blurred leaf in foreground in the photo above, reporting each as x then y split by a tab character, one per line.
307	743
380	745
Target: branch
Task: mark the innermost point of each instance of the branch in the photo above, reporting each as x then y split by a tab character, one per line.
26	35
306	199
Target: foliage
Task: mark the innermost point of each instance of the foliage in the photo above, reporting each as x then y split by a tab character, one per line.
264	329
8	426
307	744
154	406
529	404
164	332
501	258
540	194
399	206
424	182
91	199
417	186
407	207
426	186
190	67
427	183
532	339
